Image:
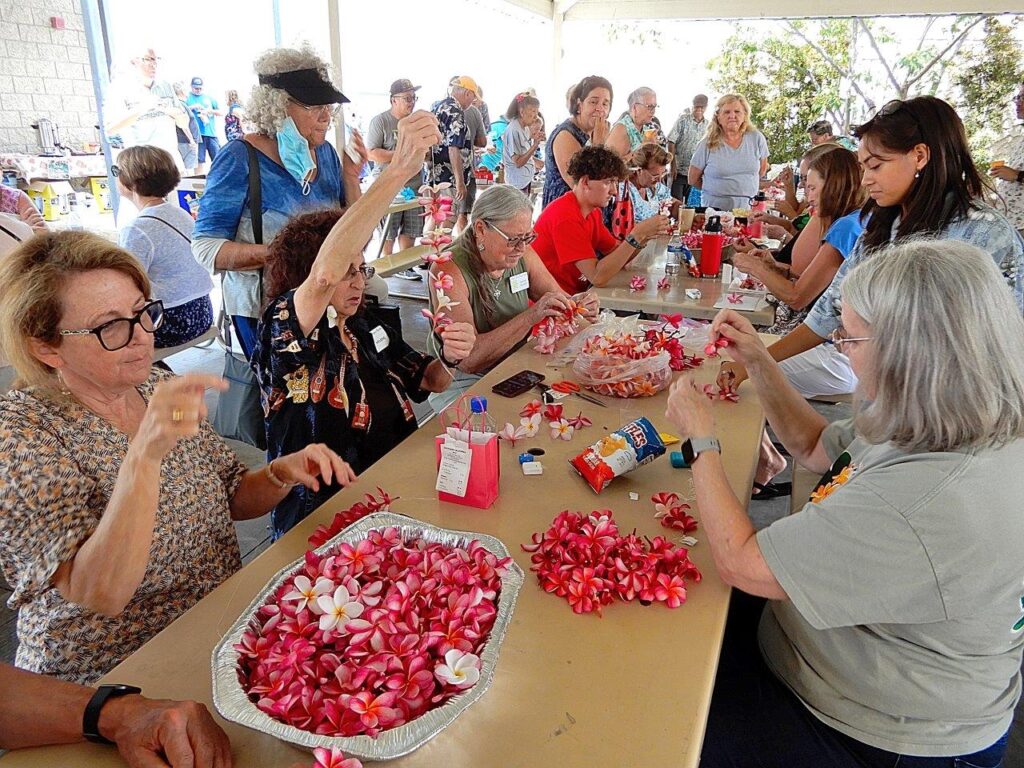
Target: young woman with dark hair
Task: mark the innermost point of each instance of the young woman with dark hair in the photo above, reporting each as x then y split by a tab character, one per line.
921	182
590	103
571	231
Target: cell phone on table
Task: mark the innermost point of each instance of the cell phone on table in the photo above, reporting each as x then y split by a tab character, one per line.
516	385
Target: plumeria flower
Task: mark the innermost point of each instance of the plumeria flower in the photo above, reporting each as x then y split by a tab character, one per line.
734	298
638	283
338	609
510	433
438	258
443	282
439	319
531	408
664	284
333	758
670	590
674	320
460	670
443	302
373	712
664	501
530	425
307	593
712	347
553	412
580	421
561	430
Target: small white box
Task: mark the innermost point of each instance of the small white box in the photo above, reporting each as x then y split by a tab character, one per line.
693	293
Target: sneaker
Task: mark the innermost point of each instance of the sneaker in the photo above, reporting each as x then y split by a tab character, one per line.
408	274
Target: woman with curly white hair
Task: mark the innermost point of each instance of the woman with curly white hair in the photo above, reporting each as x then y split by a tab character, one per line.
296	171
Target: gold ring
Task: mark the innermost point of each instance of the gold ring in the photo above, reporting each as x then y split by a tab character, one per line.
177	415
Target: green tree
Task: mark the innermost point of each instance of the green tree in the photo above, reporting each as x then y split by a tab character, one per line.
986	77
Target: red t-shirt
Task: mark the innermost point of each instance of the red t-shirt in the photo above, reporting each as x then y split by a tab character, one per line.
565	237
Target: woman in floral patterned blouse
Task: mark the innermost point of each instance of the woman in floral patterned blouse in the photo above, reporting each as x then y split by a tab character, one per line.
117	499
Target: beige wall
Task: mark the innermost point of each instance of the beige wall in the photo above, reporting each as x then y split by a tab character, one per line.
44	72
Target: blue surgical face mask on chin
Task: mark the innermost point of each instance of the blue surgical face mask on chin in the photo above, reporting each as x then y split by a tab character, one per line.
295	154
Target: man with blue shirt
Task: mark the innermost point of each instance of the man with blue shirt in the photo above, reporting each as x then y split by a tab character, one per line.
205	109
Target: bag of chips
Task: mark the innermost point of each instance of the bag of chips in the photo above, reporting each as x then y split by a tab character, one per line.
619	452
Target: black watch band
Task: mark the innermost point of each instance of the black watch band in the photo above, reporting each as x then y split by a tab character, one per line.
1020	177
634	242
91	717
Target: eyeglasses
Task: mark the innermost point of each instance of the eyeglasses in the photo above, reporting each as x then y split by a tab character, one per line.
519	241
363	269
651	107
839	338
117	333
151	59
330	110
408	99
892	107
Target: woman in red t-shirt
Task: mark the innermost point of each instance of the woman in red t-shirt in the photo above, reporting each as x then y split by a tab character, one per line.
573	241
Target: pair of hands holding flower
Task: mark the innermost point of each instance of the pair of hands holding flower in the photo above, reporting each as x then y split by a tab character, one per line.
688	407
555	303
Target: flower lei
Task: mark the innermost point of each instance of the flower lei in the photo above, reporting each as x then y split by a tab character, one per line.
371	635
437	210
587	561
549	330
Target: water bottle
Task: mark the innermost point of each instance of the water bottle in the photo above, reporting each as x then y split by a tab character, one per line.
480	420
674	255
711	247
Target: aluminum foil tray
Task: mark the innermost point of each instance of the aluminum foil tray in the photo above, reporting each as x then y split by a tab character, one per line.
233	703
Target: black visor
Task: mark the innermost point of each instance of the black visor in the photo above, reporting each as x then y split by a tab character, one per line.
307	86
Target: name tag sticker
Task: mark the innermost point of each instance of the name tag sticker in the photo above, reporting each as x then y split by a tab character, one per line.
519	282
380	339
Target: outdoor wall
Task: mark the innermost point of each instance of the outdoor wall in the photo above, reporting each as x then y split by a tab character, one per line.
44	72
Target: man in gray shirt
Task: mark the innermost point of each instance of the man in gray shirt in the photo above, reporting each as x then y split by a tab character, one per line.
682	140
381	139
478	138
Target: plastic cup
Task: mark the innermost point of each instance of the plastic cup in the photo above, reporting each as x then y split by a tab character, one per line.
686	219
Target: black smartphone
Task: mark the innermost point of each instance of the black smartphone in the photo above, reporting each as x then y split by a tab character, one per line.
516	385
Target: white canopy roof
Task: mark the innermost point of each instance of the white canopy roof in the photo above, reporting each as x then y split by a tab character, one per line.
572	10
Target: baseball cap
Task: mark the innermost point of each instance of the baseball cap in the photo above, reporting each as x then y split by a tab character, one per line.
197	82
403	85
700	100
467	82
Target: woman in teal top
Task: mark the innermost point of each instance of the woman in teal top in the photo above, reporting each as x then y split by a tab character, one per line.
637	126
498	283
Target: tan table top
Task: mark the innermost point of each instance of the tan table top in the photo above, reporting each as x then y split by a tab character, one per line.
617	294
631	688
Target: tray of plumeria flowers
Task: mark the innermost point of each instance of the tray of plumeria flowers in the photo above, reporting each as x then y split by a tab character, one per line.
373	642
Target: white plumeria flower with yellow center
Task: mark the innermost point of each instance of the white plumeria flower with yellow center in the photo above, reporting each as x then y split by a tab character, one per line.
308	593
459	669
338	609
530	425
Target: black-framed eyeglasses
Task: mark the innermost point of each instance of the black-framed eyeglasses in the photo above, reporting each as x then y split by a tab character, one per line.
363	269
519	241
839	338
890	108
408	99
331	110
117	333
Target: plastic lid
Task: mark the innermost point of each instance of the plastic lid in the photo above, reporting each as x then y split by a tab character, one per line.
713	224
478	404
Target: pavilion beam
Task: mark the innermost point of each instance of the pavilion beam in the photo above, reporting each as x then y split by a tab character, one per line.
701	9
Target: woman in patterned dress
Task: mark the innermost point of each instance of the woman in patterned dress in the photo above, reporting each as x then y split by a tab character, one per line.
117	499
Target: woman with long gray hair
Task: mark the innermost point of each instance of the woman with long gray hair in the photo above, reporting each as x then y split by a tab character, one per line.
493	277
889	627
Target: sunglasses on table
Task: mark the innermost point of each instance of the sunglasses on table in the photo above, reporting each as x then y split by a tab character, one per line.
118	333
519	241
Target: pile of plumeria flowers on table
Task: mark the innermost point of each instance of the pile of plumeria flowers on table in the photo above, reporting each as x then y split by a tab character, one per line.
586	560
368	636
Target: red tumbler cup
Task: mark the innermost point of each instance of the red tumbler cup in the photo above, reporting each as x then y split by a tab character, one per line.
711	248
755	229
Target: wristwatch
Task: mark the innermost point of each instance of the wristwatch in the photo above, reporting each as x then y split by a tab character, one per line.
695	446
634	242
91	718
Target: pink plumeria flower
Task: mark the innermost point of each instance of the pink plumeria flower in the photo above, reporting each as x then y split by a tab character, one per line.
638	283
580	421
553	412
735	298
307	593
664	284
444	282
460	670
561	430
663	502
338	609
674	320
438	258
531	408
333	758
510	433
439	319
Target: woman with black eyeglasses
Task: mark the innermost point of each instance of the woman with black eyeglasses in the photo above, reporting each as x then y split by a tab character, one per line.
328	369
646	183
499	284
117	498
921	183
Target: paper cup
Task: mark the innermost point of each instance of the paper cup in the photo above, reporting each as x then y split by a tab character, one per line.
686	219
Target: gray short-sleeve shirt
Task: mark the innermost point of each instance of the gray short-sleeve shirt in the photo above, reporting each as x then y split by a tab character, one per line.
383	134
903	624
730	175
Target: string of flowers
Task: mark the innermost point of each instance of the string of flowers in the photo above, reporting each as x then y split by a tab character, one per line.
551	329
588	562
346	517
368	636
437	210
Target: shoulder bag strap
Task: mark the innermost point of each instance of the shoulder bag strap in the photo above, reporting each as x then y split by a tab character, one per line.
165	223
255	203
